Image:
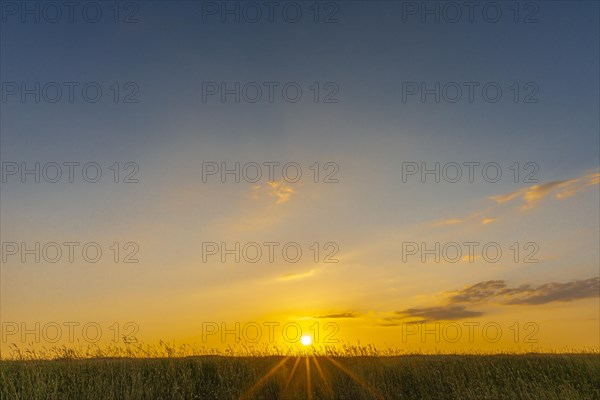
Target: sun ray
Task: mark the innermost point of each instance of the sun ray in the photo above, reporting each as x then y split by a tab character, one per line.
355	378
308	382
291	375
261	381
324	381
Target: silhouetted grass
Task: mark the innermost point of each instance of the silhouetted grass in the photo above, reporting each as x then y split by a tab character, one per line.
527	376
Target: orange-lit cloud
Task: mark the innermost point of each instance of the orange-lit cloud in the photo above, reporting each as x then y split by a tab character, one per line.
478	216
293	276
280	190
449	222
532	195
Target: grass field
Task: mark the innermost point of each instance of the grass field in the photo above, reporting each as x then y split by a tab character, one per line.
532	376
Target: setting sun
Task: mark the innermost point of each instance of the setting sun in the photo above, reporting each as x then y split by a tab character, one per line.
306	340
309	200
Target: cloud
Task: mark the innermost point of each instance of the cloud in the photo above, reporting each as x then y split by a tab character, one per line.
294	276
498	291
479	292
532	195
340	315
550	292
280	190
480	216
440	313
578	185
449	222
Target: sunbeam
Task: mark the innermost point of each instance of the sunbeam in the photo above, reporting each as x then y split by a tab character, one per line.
291	376
324	380
261	381
308	382
355	378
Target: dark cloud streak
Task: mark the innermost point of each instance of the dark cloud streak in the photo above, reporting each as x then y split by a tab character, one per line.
527	294
497	291
339	315
442	313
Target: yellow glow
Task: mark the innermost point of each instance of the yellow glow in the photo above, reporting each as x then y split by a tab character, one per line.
306	340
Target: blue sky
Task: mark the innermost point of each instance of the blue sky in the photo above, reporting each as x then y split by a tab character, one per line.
368	54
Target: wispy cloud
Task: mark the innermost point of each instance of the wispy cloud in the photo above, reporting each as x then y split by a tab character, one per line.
339	315
453	221
296	276
280	190
478	292
550	292
532	195
498	291
439	313
478	217
458	304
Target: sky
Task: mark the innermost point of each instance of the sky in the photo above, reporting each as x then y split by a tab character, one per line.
387	91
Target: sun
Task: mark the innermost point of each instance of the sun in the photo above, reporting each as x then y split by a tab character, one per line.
306	340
